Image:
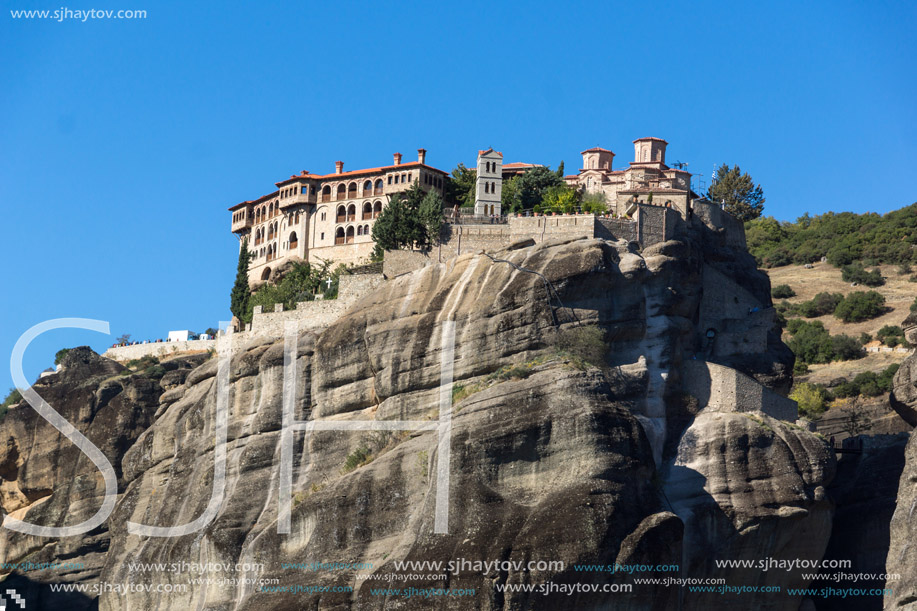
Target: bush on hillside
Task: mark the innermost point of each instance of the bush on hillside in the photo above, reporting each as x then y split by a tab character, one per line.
820	305
857	273
782	291
846	348
868	383
860	305
891	336
812	344
841	237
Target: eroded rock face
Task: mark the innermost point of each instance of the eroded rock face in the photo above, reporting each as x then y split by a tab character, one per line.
902	553
749	487
551	458
47	480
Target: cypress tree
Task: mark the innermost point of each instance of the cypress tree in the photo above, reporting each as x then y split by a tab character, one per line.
238	299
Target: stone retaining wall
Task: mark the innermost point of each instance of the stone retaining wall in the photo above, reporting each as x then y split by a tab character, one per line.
158	349
723	389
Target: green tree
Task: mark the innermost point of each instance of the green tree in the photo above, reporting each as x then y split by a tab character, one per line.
240	295
741	196
509	200
859	306
401	225
387	231
430	215
855	272
811	399
594	203
561	198
59	356
782	291
460	190
560	170
810	341
533	184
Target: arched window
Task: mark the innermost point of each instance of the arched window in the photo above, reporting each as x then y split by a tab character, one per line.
351	212
341	191
378	189
352	190
349	235
486	187
365	229
367	211
493	187
367	188
266	273
296	219
377	209
294	242
326	193
342	214
339	235
360	230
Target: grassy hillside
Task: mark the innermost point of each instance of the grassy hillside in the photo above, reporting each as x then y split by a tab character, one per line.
842	238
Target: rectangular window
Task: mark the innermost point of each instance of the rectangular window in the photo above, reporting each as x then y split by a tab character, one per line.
323	235
303	190
389	180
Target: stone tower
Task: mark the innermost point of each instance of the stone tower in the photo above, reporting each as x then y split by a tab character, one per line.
489	185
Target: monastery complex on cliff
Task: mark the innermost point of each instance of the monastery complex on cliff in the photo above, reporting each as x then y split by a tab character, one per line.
329	217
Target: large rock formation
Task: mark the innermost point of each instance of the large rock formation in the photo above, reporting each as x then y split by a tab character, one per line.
902	554
560	450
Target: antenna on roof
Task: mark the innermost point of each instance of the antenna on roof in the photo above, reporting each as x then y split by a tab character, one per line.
680	165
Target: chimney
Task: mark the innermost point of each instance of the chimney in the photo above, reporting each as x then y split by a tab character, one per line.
338	167
397	158
421	155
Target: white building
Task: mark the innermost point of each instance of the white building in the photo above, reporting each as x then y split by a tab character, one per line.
179	336
489	185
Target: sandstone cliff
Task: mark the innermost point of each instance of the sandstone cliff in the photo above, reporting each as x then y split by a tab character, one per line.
902	553
555	454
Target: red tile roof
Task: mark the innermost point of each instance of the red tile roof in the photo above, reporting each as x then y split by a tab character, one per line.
409	164
596	149
490	150
650	138
519	164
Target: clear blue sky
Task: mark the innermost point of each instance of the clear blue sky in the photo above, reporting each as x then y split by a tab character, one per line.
124	141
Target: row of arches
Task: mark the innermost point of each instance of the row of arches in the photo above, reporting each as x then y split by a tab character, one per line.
346	236
490	187
351	190
266	211
266	233
349	214
270	250
490	167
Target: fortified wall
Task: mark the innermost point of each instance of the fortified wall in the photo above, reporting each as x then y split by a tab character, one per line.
310	314
648	225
